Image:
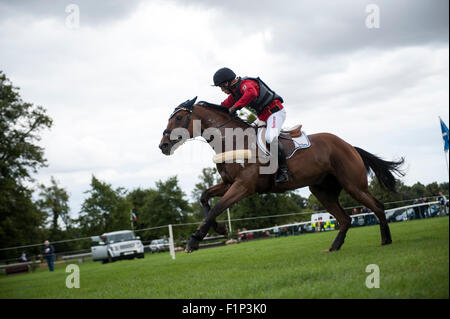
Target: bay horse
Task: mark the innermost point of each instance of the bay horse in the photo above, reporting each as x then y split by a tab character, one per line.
328	166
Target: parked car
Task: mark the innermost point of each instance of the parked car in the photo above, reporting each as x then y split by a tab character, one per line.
159	245
117	245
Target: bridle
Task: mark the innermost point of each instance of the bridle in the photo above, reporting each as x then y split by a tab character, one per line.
190	110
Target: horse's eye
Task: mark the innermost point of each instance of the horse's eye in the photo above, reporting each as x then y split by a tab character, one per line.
179	117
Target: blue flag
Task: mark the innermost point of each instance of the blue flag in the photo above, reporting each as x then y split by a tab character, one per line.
444	130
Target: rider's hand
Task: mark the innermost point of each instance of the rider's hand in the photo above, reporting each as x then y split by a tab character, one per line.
232	109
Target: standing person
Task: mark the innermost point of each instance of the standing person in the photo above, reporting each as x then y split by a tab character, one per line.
421	208
426	209
255	94
442	204
416	209
49	254
276	231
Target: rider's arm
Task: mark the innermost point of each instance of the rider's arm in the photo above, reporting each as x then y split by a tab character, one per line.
229	102
249	91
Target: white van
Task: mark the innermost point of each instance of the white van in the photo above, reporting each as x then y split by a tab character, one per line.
117	245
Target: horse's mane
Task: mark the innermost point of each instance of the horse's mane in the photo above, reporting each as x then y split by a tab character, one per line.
222	109
217	107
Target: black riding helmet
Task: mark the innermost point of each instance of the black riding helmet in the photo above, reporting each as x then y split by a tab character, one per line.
223	75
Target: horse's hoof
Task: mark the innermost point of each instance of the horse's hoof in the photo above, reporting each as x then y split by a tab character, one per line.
387	242
326	251
192	245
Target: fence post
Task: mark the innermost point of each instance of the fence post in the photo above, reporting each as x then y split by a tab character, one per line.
171	243
229	221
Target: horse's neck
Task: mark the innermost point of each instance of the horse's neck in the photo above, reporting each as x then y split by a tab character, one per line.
211	118
215	119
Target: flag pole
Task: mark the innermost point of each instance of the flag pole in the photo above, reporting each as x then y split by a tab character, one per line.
131	219
446	162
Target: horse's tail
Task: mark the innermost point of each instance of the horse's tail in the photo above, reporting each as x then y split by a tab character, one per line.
383	169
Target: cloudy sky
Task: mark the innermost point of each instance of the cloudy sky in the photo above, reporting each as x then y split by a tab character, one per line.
110	73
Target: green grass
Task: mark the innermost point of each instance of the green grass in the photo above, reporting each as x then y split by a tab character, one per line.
416	265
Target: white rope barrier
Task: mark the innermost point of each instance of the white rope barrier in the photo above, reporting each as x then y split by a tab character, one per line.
238	219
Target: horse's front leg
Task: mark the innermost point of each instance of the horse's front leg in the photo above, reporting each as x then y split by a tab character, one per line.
217	190
235	193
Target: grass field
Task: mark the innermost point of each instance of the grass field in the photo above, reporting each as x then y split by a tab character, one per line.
416	265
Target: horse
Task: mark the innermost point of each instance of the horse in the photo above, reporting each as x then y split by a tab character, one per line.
327	167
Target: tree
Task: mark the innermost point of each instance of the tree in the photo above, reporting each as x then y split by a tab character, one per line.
21	222
55	202
266	205
20	124
105	210
208	178
161	206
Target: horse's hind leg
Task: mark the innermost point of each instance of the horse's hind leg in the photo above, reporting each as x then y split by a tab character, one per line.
367	199
328	194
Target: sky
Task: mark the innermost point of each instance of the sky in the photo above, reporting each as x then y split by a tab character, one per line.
375	73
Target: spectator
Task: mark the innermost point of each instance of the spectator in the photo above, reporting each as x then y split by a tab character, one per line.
322	226
276	231
23	257
244	235
49	254
416	209
421	208
442	204
426	209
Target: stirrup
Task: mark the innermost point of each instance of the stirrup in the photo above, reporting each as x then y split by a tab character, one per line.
282	176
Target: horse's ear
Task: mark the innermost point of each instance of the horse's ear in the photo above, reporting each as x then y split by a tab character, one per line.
188	104
192	102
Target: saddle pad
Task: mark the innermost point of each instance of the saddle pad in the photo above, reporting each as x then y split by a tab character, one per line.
300	142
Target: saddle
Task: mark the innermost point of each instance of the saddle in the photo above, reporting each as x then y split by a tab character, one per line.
292	140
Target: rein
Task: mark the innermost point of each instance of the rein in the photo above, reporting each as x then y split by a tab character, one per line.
188	119
190	111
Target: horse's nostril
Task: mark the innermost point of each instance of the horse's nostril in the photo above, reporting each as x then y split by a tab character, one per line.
163	146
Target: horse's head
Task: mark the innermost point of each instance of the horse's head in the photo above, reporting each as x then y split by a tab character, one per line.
179	128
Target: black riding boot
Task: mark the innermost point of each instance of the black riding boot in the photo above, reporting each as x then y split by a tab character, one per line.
283	171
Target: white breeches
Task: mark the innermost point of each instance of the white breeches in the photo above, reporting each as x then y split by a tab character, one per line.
274	124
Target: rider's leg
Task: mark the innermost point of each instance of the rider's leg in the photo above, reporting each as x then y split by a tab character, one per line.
274	124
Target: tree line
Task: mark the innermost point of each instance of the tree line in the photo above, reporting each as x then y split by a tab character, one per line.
31	213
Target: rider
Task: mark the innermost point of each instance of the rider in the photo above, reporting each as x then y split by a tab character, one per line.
255	94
